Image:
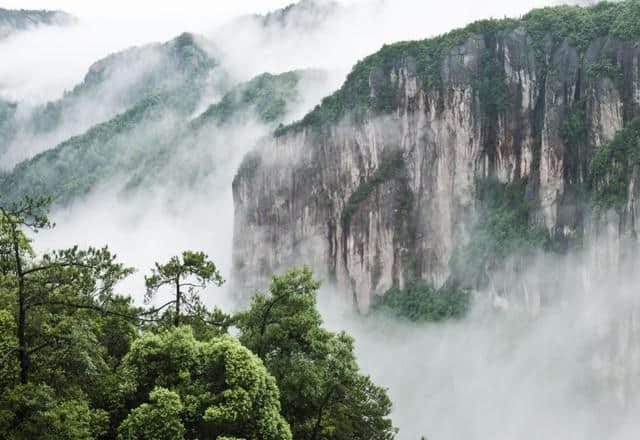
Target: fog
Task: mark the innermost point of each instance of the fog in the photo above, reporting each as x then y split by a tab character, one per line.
39	65
567	370
507	370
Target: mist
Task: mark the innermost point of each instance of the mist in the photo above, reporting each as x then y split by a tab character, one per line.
567	369
39	65
550	361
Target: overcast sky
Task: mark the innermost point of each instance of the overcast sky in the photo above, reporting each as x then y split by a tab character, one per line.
146	8
207	10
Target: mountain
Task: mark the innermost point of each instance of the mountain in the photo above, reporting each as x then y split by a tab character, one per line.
303	14
268	96
155	142
12	21
449	159
111	85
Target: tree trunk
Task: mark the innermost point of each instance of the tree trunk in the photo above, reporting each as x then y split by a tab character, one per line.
22	314
316	428
176	319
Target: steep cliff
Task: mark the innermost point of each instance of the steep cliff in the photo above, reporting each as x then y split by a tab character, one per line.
398	174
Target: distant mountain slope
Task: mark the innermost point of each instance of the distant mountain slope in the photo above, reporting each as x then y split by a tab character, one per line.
111	85
267	96
12	21
303	13
154	141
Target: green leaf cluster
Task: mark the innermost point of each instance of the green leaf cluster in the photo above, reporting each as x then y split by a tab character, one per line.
505	229
421	301
611	167
323	393
218	388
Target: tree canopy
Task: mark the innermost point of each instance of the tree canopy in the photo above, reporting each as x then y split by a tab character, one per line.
323	393
79	362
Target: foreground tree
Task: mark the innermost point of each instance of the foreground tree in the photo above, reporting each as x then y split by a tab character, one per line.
49	291
63	331
188	275
223	387
323	394
79	362
34	411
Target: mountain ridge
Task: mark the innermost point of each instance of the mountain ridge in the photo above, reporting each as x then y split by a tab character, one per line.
12	20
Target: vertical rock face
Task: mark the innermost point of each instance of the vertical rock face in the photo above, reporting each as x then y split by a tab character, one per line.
374	199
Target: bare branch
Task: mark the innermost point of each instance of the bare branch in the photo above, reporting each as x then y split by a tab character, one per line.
7	354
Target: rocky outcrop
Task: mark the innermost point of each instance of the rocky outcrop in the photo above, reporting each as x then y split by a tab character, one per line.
374	198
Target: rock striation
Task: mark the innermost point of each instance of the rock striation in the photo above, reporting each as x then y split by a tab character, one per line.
377	184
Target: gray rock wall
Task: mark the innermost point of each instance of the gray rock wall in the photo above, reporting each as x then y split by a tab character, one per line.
412	172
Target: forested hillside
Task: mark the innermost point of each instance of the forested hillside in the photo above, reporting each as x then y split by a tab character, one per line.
155	141
119	82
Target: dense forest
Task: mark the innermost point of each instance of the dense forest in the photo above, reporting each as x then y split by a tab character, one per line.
79	361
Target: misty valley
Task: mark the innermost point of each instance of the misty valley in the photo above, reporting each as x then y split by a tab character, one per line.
324	220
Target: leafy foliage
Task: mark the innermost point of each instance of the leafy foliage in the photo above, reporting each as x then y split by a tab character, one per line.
504	230
79	362
574	129
493	92
32	411
158	420
267	96
356	96
582	25
611	167
368	87
193	271
75	166
158	126
323	394
224	388
421	301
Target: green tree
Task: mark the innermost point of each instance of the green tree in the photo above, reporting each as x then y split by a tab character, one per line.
193	271
63	330
323	394
224	388
51	286
33	411
158	420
